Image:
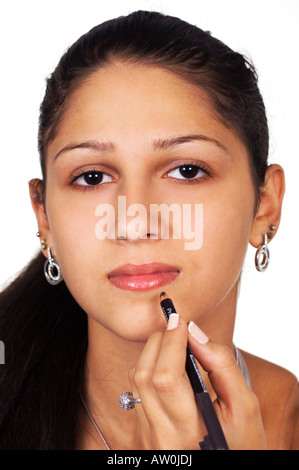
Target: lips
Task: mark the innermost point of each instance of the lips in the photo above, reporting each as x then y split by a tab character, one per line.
140	277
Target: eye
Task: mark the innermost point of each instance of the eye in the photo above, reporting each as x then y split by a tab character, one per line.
92	178
187	171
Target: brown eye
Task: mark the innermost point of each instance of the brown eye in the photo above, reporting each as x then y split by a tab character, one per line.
189	171
92	178
186	171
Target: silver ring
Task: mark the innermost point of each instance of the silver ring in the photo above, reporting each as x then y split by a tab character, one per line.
50	275
127	402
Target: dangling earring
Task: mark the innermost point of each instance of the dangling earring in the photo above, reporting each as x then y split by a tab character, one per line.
52	270
262	256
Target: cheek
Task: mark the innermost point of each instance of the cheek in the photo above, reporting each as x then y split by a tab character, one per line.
226	233
73	233
215	268
228	218
84	260
224	244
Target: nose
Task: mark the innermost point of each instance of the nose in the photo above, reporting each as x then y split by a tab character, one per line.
137	217
134	220
136	214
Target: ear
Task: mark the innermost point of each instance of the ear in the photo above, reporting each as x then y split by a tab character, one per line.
269	209
37	201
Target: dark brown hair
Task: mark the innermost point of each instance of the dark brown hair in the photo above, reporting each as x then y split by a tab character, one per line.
153	39
43	328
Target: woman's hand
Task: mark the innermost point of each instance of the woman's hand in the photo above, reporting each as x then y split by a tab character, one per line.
168	417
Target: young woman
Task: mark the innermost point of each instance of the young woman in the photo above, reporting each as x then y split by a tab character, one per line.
149	110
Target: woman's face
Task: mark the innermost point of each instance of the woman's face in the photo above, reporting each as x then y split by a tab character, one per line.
147	135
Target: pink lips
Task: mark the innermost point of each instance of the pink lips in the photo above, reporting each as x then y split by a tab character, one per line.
139	277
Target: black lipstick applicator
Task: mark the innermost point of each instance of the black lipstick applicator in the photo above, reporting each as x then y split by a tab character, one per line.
215	439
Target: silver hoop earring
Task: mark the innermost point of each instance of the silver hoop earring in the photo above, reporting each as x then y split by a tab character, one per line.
262	256
52	270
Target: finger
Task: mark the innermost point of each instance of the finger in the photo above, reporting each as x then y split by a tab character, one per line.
160	377
140	377
171	382
219	361
172	356
170	413
237	406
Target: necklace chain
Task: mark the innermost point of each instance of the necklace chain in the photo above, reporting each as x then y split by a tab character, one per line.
95	424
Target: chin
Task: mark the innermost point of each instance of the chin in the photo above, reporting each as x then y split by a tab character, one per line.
141	331
128	328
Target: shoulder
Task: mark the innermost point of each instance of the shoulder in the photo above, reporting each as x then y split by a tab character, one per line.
278	393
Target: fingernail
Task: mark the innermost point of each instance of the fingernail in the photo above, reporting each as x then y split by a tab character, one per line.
197	333
173	321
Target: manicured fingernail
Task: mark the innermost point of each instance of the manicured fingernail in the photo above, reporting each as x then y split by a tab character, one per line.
173	321
197	333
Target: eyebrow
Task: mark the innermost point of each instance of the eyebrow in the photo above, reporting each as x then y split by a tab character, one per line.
158	144
93	145
164	144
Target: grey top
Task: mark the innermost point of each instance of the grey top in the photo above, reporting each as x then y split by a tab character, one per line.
242	364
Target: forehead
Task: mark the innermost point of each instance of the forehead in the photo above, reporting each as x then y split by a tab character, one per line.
128	101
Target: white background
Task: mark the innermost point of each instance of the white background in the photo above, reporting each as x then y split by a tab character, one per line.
35	33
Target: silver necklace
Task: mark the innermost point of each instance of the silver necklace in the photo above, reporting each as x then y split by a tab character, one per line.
95	424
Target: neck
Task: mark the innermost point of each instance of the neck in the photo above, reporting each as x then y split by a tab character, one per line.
108	362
